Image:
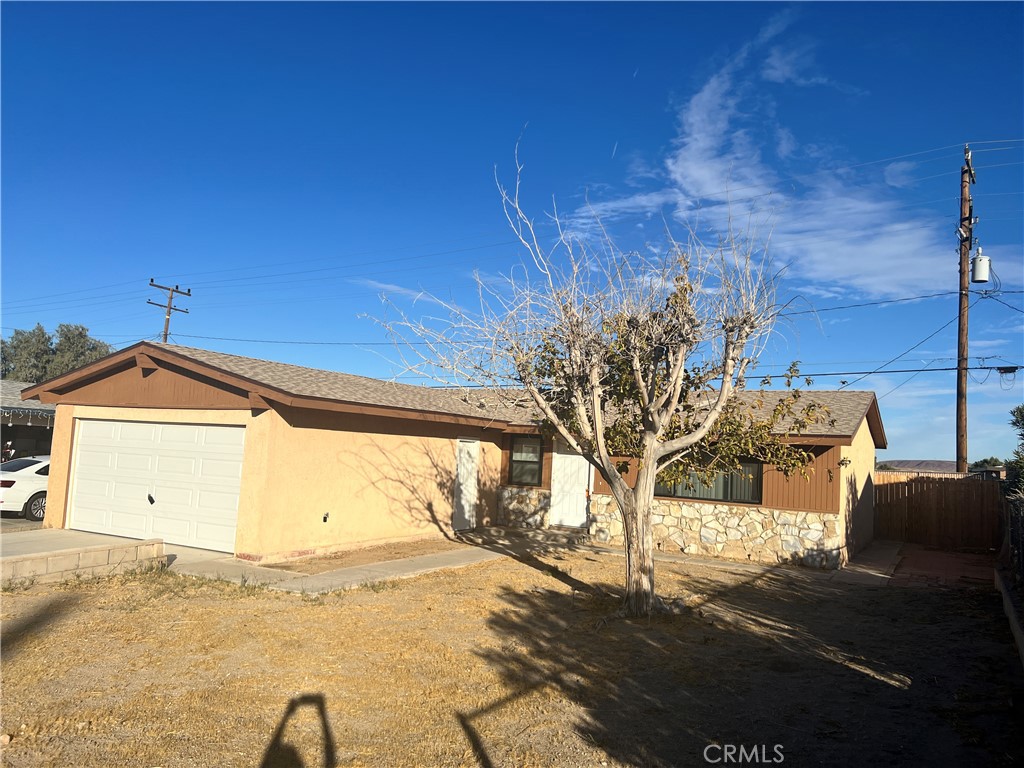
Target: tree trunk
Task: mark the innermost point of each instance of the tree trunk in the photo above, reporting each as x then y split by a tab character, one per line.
639	544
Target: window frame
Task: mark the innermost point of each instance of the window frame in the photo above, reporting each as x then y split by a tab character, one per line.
536	464
729	490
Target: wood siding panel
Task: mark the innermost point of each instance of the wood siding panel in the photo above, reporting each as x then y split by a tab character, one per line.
157	388
818	492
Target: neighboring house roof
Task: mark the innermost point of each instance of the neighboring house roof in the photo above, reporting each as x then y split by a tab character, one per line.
312	388
10	398
920	465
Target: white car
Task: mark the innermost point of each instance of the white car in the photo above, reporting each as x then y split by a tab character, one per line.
23	486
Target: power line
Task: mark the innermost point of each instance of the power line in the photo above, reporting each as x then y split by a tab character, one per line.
863	374
905	381
868	304
893	360
1015	309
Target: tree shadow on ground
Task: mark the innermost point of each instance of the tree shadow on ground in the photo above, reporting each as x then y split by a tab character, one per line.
829	674
31	628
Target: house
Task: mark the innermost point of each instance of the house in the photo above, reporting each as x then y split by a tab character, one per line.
759	515
27	426
270	461
924	467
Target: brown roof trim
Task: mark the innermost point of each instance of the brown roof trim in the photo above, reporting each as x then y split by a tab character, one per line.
874	417
148	355
144	354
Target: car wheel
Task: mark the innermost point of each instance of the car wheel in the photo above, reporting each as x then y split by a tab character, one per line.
35	507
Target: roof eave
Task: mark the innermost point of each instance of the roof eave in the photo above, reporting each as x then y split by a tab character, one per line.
146	355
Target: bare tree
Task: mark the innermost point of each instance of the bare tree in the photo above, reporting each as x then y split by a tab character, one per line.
629	357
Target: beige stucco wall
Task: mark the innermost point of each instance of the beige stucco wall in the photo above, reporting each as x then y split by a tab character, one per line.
376	479
858	494
373	478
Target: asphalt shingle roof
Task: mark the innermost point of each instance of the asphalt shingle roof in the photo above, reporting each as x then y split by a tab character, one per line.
349	388
10	397
847	409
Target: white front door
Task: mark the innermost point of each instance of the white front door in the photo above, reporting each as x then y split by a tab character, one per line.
570	487
176	482
467	459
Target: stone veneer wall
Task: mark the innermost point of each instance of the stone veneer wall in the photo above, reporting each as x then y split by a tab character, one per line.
739	532
523	507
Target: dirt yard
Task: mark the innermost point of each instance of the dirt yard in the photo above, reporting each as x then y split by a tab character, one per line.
508	663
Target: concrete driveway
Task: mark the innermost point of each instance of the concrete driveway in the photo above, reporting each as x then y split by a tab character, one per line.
16	524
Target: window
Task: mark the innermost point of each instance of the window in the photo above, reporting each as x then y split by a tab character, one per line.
524	467
16	465
743	486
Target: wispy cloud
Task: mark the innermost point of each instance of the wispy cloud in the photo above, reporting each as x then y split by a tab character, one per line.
731	156
899	174
796	66
416	294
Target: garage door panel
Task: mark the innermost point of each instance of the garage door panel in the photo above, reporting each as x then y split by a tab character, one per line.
193	473
223	503
168	528
90	517
99	430
170	496
129	523
134	432
224	438
93	487
132	462
180	435
180	466
222	536
95	460
130	492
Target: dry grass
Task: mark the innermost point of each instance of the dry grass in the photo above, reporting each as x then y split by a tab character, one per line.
503	664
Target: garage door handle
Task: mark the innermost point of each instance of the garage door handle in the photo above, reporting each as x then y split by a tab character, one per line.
151	499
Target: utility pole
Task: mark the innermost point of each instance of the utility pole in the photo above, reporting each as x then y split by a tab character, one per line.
170	303
966	234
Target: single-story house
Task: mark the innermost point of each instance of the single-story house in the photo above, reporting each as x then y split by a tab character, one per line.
760	515
27	426
270	461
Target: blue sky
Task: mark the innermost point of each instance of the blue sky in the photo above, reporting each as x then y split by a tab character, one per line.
290	162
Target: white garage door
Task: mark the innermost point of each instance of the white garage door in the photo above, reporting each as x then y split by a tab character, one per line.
176	482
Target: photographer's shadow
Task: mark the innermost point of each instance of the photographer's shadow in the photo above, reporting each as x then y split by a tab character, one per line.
281	753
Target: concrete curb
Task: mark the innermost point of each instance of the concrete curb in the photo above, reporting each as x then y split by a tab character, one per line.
64	564
1011	613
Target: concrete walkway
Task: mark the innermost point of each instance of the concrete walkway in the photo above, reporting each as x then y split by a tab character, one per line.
873	565
878	564
217	565
43	546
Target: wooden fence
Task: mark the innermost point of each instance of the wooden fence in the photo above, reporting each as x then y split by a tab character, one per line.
947	512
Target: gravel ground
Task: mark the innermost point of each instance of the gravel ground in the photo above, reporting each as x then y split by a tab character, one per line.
508	663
